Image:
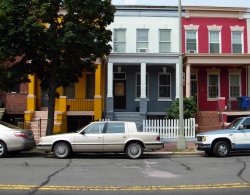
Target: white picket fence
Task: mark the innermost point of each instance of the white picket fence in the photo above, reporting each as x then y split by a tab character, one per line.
168	128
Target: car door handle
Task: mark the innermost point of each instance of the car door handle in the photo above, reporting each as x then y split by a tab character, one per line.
124	136
99	137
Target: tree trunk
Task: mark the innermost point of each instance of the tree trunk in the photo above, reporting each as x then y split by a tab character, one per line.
51	109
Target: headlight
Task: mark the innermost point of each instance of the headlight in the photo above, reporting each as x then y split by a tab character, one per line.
201	138
204	138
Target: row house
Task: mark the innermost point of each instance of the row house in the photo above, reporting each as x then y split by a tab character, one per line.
142	73
140	78
216	62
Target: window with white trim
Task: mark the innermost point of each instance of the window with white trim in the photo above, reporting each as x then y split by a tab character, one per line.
191	41
214	41
213	86
142	40
164	40
237	44
138	85
234	85
119	40
164	90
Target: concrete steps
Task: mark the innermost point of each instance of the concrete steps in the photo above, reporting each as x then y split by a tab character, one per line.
38	124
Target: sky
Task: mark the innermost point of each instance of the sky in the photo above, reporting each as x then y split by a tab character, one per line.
223	3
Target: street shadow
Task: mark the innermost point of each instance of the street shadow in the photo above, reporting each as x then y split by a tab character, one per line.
108	156
232	154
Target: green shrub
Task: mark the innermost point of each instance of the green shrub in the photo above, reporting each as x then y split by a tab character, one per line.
189	108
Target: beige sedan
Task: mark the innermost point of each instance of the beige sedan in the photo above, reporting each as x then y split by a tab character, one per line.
109	136
15	139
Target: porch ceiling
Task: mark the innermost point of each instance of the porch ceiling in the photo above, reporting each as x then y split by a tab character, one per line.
148	58
235	60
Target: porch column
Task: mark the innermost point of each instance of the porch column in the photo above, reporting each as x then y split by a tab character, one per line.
143	98
177	78
98	97
188	77
31	98
109	99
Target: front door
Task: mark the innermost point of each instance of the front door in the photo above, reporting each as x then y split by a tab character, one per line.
242	137
119	94
90	139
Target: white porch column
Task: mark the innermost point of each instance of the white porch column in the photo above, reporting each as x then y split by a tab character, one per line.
143	80
177	78
188	77
110	80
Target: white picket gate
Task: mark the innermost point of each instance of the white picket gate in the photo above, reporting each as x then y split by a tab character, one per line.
168	128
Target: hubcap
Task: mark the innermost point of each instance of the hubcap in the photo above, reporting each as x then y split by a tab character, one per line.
134	151
1	149
61	150
222	149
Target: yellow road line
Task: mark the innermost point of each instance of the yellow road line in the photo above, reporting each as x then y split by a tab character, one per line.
125	188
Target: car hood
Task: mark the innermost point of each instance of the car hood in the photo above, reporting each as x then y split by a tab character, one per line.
220	131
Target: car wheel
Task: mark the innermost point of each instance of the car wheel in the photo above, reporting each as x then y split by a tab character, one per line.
134	150
62	150
3	149
221	149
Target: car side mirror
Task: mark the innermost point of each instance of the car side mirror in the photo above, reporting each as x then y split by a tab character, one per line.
83	132
241	127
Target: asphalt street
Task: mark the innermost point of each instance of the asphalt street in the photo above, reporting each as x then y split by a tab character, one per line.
115	174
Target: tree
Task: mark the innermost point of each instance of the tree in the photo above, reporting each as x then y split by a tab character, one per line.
189	107
55	39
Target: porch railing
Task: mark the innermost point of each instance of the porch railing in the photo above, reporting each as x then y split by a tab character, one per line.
80	104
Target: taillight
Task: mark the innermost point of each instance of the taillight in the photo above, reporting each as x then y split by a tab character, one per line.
158	138
21	134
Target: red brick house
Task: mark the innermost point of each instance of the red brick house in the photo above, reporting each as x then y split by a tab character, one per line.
215	62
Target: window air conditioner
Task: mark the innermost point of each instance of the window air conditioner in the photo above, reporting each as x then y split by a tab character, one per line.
191	51
143	50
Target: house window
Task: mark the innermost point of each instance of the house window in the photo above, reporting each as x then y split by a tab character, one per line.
213	86
90	86
214	41
119	40
164	85
69	91
191	41
142	40
194	85
234	85
164	41
138	85
237	42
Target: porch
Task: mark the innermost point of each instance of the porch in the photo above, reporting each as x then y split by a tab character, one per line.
141	83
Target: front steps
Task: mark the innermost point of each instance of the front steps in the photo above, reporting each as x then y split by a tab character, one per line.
38	124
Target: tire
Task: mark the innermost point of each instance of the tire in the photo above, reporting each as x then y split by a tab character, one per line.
221	149
3	149
62	150
134	150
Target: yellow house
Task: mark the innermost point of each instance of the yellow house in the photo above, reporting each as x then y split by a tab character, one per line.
83	99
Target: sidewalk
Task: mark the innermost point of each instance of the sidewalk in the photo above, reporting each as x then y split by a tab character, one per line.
170	146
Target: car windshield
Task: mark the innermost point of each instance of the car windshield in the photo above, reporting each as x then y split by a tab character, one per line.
9	125
235	123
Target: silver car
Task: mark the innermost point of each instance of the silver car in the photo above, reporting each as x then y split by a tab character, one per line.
15	139
111	136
